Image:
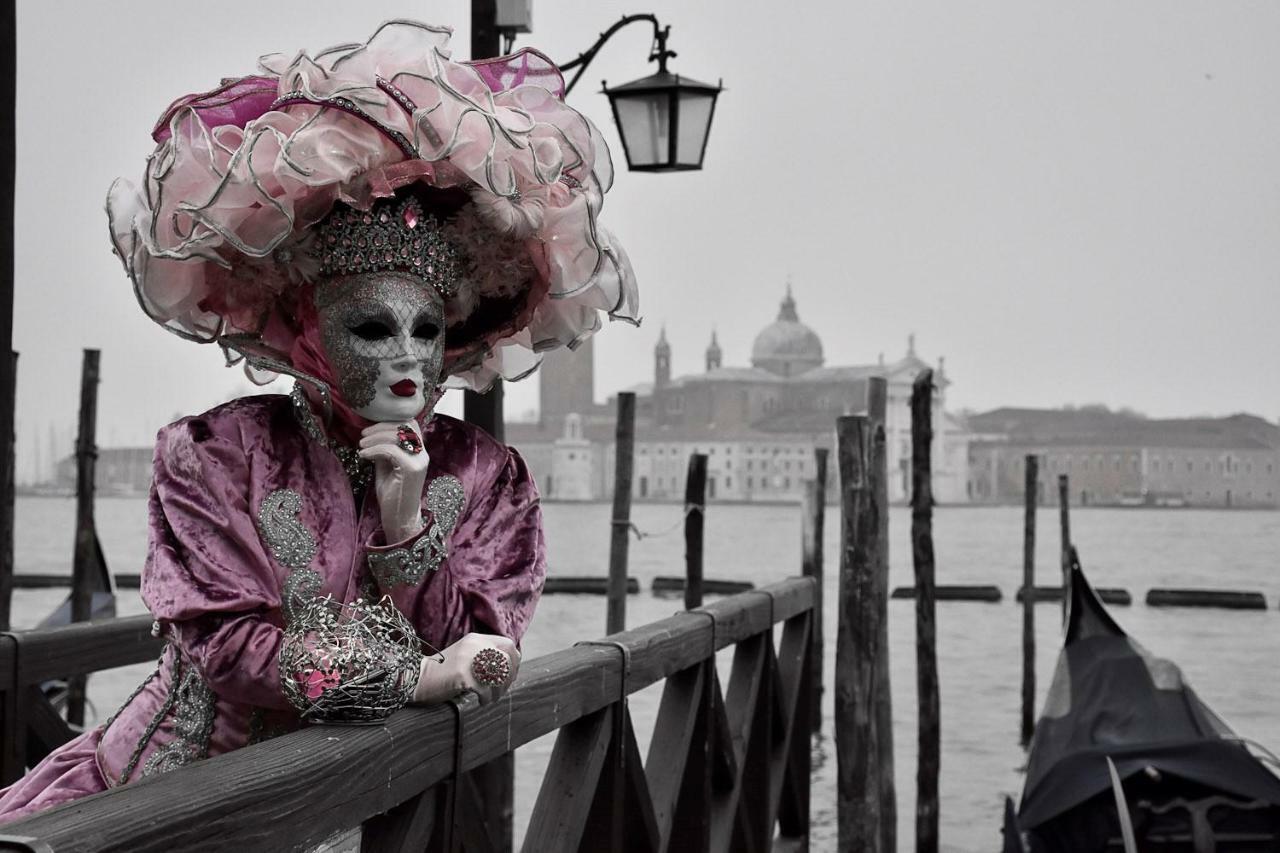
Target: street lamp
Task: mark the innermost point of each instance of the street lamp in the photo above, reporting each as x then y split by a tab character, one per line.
664	119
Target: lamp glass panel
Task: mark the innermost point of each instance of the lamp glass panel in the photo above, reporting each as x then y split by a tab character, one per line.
645	124
695	121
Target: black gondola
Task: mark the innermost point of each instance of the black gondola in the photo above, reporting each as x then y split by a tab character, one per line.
1190	784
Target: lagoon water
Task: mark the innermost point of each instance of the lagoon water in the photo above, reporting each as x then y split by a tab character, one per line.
1229	657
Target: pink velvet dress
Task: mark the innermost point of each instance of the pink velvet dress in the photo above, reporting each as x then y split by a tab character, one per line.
250	513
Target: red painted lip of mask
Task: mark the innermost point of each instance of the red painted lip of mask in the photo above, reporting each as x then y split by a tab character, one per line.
404	388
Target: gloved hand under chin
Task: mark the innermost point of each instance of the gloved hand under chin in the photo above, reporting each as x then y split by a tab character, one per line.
399	473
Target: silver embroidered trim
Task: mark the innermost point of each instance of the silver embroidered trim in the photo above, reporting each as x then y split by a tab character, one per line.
151	728
300	587
290	541
293	546
410	565
193	702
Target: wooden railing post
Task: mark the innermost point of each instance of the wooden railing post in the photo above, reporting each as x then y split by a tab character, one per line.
85	567
695	502
928	704
624	449
877	411
857	641
811	536
1029	598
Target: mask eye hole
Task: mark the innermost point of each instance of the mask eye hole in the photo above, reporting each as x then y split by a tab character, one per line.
371	330
426	331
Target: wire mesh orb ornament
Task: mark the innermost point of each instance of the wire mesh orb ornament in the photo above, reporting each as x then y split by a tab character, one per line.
349	663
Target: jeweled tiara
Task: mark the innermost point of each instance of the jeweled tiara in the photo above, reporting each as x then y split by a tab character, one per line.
394	234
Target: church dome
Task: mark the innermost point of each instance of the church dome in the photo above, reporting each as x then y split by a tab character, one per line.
786	346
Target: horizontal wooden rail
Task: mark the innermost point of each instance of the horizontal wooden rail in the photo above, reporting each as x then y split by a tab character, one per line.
297	790
30	727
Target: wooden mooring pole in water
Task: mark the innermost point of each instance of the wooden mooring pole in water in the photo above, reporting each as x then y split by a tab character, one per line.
695	503
85	567
624	458
1064	524
858	798
811	533
1028	598
877	411
928	704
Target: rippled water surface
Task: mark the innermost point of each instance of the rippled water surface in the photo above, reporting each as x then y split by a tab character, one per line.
1227	656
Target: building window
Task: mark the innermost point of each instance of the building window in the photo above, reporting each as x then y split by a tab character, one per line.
728	482
786	482
750	482
750	462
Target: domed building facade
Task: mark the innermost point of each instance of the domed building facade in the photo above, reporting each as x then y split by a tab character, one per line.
758	425
787	347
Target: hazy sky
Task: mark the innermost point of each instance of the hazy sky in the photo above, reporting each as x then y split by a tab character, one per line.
1072	202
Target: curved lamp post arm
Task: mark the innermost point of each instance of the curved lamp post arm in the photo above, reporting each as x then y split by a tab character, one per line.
659	53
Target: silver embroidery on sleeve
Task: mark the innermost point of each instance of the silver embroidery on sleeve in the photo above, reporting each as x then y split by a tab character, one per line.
192	701
410	565
293	546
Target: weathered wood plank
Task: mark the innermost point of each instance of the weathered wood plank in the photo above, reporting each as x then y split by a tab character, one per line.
741	706
857	638
789	677
620	521
929	737
564	800
407	828
669	749
878	474
280	795
695	515
690	826
1030	496
814	515
84	647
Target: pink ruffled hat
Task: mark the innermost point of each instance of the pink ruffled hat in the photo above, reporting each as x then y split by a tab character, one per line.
218	237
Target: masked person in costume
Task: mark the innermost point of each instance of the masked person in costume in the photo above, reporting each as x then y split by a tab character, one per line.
380	223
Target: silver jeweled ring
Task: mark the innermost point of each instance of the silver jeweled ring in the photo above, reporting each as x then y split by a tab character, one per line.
407	438
491	667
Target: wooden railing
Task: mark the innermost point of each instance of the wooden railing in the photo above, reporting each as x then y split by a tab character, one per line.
29	725
727	770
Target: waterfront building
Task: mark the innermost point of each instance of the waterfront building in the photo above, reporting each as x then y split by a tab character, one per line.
1121	459
758	424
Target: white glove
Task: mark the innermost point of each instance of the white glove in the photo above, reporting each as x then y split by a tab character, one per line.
398	478
439	681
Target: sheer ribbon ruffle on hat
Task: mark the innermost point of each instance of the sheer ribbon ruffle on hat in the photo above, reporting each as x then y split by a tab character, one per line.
216	237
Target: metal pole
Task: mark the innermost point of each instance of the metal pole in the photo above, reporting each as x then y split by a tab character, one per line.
928	703
624	443
1029	599
485	410
695	502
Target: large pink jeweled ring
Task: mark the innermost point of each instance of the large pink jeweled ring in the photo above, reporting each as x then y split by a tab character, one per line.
407	438
491	667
